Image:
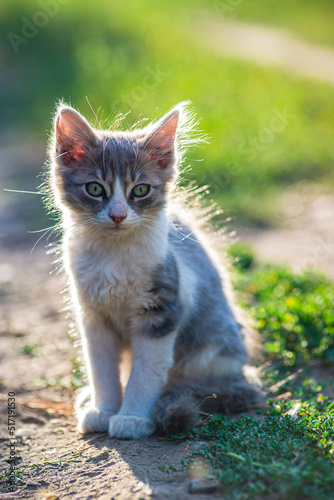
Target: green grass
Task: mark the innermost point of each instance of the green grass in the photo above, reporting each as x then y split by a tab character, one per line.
107	52
293	313
290	456
275	455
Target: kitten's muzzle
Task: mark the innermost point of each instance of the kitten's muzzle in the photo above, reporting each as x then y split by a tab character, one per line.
117	219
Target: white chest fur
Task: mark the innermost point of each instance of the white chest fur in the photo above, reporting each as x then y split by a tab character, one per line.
112	275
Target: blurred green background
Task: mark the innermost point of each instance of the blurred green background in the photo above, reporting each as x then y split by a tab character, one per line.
144	57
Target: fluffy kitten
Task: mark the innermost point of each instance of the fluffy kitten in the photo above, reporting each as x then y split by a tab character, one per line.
142	279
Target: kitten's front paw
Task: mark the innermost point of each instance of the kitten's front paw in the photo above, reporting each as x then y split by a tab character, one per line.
93	420
124	427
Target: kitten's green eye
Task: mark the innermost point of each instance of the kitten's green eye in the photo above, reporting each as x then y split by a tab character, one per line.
95	189
140	190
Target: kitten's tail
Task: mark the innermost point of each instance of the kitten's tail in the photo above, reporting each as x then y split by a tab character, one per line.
187	404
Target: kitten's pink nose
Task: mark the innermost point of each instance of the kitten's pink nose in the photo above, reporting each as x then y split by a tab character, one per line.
117	212
117	218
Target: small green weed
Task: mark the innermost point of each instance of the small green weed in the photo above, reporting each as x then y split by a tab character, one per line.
241	255
78	377
29	349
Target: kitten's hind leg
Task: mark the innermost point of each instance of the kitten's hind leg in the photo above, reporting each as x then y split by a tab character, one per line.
102	352
151	360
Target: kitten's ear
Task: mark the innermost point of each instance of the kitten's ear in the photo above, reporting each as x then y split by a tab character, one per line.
73	136
160	146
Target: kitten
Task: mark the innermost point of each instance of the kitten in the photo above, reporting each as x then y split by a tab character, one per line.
142	279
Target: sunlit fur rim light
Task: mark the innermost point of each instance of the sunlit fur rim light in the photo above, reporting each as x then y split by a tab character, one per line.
189	196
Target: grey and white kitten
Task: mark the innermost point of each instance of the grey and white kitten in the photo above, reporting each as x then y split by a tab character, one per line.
142	279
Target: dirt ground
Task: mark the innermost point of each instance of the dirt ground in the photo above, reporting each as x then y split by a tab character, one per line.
304	238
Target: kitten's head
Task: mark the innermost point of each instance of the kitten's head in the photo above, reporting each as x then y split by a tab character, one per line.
113	181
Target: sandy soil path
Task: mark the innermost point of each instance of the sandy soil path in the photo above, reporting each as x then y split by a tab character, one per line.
305	237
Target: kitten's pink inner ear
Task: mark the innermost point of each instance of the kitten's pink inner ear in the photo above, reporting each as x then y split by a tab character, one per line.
160	146
166	133
73	136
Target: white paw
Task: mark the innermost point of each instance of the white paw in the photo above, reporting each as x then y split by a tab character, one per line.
124	427
93	420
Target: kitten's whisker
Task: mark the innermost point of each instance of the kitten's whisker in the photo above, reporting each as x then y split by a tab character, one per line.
87	223
88	170
46	231
106	144
92	160
41	230
83	168
138	165
104	156
136	150
146	225
62	154
23	192
186	236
